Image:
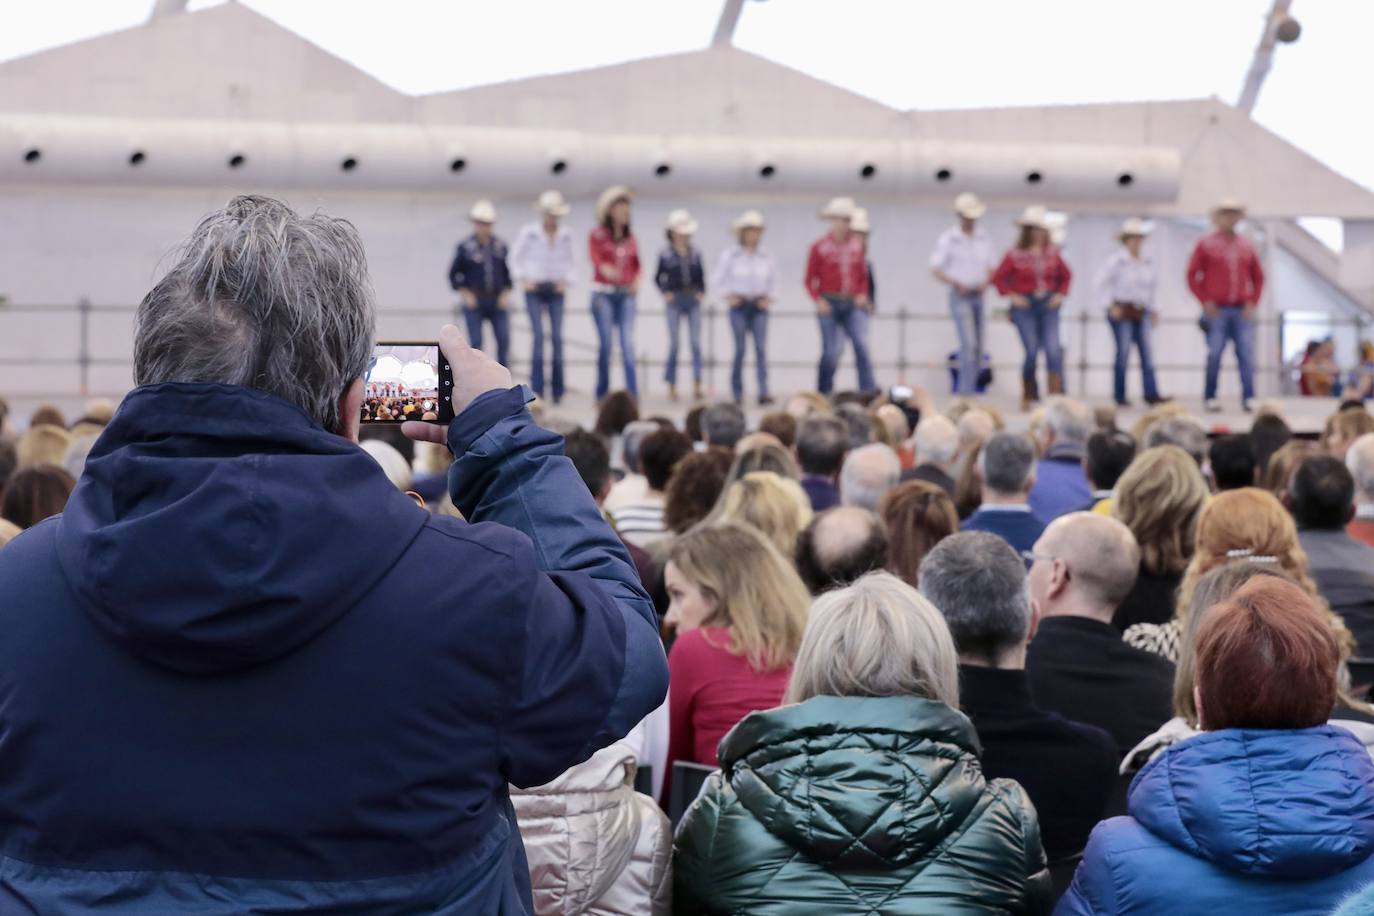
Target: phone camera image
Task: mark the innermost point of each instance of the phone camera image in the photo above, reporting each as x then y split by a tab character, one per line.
403	382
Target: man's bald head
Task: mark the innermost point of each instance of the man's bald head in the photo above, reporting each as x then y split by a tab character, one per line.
1101	556
976	426
839	546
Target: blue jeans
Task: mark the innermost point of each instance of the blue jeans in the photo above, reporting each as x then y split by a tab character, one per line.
546	298
1231	324
1127	332
745	319
967	311
848	318
1038	326
488	309
611	311
679	306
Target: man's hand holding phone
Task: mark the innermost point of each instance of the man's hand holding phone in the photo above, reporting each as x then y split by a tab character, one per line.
474	374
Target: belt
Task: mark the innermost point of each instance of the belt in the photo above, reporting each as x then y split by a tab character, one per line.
609	288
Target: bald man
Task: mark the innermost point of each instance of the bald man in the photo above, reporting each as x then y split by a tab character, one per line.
1082	567
867	474
839	546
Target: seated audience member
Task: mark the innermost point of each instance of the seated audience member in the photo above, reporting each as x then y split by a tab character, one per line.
595	845
97	415
857	421
767	456
1006	470
43	444
1232	459
978	583
1060	484
781	425
1181	430
1271	809
968	487
935	446
35	493
1268	434
592	459
1359	460
292	678
1278	474
1079	667
617	410
919	515
754	440
839	546
47	415
892	420
1342	428
722	425
864	794
393	465
74	459
774	506
738	609
694	488
631	488
805	403
1322	500
643	522
691	425
977	426
9	463
1105	458
822	442
1320	375
868	473
1159	498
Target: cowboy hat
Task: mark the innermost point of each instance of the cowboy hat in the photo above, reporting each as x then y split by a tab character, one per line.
1033	217
482	212
859	221
969	206
1133	226
839	208
551	203
681	222
749	219
1229	203
608	197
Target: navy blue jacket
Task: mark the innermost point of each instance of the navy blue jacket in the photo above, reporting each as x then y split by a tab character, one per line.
1019	528
480	268
1236	821
680	273
242	673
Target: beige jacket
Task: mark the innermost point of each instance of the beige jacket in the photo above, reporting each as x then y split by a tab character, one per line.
595	845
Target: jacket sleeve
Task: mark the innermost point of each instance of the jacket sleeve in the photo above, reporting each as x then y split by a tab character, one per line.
661	277
510	471
1093	892
1256	278
1195	273
456	273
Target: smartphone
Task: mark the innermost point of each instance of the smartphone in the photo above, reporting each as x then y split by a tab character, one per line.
407	380
899	394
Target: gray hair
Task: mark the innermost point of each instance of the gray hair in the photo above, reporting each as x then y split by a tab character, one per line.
979	583
937	441
875	638
1072	421
1360	460
264	298
859	423
868	473
722	424
1007	463
821	444
631	438
1185	432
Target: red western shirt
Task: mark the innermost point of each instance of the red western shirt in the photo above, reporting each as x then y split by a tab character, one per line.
622	255
1225	270
837	268
1024	272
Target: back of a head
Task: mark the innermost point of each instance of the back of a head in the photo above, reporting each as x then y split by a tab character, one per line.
1345	426
589	454
1101	554
876	638
893	419
43	444
776	506
47	415
396	468
1183	431
74	460
1266	659
822	441
937	442
1159	498
1233	461
768	456
618	410
391	434
976	426
1248	523
869	472
1322	494
979	584
694	487
659	453
9	462
1267	435
1108	454
1278	474
265	298
1071	420
631	439
723	424
1007	463
1359	460
839	546
691	423
918	515
780	424
35	493
857	421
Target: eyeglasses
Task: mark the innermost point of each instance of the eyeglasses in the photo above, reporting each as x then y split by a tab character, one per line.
1030	556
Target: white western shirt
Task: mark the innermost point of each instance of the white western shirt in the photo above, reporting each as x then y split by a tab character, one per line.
744	273
965	259
1127	279
536	258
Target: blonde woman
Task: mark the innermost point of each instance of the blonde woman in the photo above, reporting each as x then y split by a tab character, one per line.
738	608
775	506
866	787
1159	498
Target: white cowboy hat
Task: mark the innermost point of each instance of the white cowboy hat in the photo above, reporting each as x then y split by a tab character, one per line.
839	208
969	206
1033	217
680	221
1133	226
482	212
1229	203
859	221
749	219
610	196
552	203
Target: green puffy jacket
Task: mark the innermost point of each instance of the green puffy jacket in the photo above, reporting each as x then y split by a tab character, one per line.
858	805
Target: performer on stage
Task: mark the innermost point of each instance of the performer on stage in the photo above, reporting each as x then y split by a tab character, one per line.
1224	274
615	281
543	262
837	281
681	280
963	260
480	275
858	224
746	279
1035	280
1126	285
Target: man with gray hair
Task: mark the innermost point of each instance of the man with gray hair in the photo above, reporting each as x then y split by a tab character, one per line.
722	424
1082	567
1360	460
979	584
263	678
1181	430
1006	469
1060	484
868	473
936	445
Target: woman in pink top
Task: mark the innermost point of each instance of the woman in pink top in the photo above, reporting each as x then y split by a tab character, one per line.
739	609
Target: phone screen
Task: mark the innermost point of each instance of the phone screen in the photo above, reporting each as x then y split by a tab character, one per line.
407	380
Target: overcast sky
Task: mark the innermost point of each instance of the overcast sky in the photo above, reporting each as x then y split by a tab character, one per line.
906	53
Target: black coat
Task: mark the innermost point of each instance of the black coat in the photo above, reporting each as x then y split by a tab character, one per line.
1151	600
930	473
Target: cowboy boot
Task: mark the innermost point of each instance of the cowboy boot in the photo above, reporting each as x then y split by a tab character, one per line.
1030	394
1056	383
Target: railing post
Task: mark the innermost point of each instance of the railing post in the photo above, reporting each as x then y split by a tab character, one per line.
83	356
710	354
903	315
1082	353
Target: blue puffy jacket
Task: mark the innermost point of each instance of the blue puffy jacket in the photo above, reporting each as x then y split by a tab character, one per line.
244	674
1236	821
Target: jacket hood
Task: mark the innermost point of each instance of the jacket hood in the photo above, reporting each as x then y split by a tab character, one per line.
216	528
1277	804
857	782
